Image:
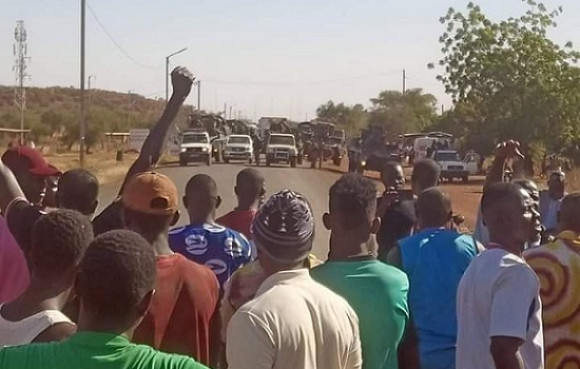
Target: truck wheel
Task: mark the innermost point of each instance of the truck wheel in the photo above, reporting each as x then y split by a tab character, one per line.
226	160
293	162
208	161
182	162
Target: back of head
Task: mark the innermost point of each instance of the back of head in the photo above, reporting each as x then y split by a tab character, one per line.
434	208
59	240
250	183
201	198
201	185
353	199
283	229
116	273
498	199
425	175
78	189
150	203
569	216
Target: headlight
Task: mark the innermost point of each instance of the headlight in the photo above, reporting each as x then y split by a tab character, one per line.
293	151
204	149
363	163
270	150
183	149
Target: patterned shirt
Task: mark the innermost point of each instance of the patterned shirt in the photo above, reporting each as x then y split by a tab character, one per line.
558	266
221	249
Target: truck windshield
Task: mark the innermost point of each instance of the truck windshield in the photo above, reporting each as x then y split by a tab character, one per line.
239	140
194	139
447	156
281	140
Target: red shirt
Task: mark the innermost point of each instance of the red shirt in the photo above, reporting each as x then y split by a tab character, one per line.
185	300
239	220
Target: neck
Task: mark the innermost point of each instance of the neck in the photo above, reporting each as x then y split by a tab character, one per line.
247	206
202	218
344	248
507	244
161	245
91	323
42	294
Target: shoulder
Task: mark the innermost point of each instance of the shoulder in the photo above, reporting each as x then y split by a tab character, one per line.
158	359
225	218
27	356
513	269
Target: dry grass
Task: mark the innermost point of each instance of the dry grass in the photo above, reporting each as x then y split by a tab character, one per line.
101	164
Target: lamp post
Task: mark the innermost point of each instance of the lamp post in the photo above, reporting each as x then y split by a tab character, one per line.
167	71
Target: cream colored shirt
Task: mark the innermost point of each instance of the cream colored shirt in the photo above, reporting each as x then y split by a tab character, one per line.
294	322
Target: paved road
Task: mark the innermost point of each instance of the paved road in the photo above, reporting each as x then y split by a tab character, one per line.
314	184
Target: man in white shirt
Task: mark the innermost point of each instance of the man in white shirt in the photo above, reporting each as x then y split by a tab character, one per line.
498	304
293	322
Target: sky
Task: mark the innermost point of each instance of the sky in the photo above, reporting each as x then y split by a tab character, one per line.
260	57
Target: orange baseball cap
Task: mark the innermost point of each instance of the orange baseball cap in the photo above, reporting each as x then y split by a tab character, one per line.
150	193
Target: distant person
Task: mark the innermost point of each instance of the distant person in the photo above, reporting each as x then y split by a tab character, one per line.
377	292
434	259
186	296
293	322
115	285
78	189
398	218
498	302
14	275
111	218
556	264
250	192
59	240
551	200
203	240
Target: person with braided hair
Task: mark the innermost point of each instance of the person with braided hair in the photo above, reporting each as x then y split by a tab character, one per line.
59	240
293	321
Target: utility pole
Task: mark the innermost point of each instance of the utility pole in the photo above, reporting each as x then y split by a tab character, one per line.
83	127
199	95
20	52
167	71
404	82
230	112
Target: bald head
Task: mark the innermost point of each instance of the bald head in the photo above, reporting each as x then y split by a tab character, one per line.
201	184
250	184
569	216
201	198
433	208
425	175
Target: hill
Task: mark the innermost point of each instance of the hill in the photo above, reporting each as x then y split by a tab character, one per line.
53	113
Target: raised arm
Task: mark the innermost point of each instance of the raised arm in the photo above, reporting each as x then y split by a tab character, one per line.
504	151
9	187
182	80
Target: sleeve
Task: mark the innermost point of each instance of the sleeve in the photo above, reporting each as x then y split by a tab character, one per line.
354	360
250	344
514	296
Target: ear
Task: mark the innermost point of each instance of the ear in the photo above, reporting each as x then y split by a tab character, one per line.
184	199
375	225
327	221
145	303
450	216
218	202
175	218
93	208
262	192
236	191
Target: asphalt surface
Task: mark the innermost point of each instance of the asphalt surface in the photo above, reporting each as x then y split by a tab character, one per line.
312	183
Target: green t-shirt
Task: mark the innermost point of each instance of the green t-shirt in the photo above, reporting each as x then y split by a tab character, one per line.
92	350
378	294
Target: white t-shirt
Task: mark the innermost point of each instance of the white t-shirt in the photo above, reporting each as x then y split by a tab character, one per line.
498	296
294	322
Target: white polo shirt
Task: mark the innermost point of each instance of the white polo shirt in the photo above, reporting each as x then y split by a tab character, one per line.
499	295
294	322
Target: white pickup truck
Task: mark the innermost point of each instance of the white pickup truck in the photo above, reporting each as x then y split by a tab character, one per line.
281	148
195	147
238	147
451	165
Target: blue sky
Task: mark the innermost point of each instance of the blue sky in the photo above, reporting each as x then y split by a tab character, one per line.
262	57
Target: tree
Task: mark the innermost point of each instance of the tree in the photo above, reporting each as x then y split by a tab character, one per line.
399	113
350	118
516	82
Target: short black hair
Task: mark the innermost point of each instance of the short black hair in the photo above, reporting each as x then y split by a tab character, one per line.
201	183
251	180
500	194
434	207
390	167
117	271
78	189
354	198
59	240
426	173
152	224
569	216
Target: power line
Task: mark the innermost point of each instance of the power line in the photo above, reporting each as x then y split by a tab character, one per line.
117	45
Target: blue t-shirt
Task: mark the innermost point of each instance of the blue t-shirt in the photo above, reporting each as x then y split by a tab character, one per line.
435	260
221	249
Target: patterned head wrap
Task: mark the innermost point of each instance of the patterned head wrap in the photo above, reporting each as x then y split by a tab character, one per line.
284	227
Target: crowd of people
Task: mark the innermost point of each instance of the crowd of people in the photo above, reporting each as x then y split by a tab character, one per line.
401	286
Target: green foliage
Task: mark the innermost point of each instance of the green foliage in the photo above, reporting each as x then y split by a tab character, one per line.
350	118
55	112
508	79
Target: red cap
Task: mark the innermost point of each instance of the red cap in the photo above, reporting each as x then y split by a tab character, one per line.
32	159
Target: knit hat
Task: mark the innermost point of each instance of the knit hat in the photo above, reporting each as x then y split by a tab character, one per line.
283	228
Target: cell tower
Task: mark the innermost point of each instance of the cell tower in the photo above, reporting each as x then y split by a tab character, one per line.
20	54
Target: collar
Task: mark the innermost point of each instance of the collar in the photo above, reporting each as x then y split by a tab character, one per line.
99	339
284	277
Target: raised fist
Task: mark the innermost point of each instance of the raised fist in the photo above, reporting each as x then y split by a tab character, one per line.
509	149
181	80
